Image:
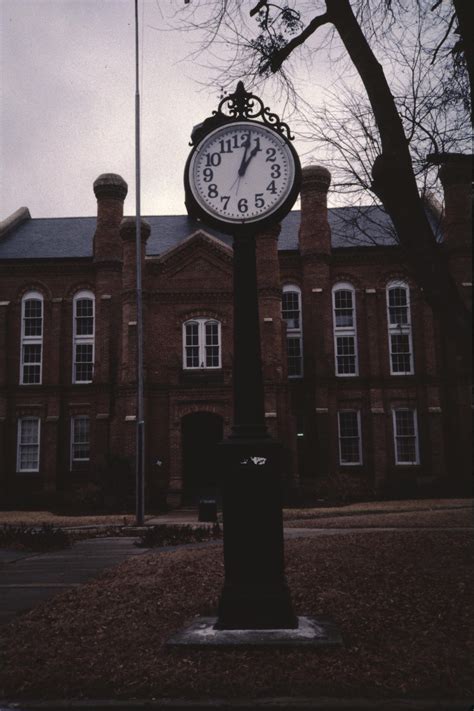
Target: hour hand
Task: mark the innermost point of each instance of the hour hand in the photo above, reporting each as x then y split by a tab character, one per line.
244	164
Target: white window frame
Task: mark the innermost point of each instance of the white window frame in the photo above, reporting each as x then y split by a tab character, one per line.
359	438
21	444
294	333
80	339
345	331
202	322
74	459
397	436
400	329
26	340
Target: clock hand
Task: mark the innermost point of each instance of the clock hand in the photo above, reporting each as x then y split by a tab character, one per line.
243	165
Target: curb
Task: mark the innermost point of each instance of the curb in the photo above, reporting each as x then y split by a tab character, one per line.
268	704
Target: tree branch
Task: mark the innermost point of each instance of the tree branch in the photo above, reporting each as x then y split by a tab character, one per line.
277	59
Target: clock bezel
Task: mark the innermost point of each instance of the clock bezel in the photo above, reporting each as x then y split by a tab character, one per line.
255	224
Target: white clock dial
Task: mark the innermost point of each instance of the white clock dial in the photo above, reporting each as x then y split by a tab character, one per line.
241	172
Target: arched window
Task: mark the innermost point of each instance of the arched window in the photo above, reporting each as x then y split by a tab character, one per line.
345	331
83	337
399	328
31	360
291	313
201	343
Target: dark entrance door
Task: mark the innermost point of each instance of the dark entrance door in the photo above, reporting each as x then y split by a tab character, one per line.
201	432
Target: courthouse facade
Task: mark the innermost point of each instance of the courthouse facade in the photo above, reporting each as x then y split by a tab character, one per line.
358	386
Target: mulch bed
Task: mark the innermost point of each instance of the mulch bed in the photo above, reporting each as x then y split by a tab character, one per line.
402	600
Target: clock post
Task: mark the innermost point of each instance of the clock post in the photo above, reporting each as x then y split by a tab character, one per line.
255	594
243	176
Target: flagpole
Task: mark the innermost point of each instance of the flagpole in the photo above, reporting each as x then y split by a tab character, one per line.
140	421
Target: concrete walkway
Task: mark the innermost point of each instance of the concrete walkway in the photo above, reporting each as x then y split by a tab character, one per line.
26	579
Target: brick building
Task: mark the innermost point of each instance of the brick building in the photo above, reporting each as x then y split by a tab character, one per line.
357	385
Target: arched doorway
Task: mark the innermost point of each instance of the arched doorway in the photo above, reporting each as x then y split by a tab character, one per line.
200	434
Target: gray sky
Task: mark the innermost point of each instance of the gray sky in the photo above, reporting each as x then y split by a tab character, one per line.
68	85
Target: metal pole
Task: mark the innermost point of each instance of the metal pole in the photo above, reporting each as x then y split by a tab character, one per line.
140	440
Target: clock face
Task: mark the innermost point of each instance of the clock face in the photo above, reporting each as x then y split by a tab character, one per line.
242	172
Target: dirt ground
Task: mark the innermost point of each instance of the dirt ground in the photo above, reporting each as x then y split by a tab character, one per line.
402	601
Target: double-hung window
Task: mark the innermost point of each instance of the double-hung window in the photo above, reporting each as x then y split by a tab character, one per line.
345	332
201	344
350	451
31	362
28	444
399	329
83	337
291	313
80	439
405	433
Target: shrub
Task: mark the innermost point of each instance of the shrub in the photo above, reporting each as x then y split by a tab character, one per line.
43	538
169	535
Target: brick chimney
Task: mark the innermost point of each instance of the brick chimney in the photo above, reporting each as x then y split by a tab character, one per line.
314	235
456	178
110	190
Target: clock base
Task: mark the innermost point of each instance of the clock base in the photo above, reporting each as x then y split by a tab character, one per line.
255	594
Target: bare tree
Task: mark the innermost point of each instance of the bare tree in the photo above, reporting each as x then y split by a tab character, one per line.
387	132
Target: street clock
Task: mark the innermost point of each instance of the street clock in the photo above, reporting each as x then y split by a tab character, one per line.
241	173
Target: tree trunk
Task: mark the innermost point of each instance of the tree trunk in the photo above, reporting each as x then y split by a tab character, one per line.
395	185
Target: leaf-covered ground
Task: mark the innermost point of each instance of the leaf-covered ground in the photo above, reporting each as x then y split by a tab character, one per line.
455	518
402	600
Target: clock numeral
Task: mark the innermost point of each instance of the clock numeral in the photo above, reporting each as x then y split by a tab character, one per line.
276	171
259	201
271	153
212	191
226	146
242	205
272	188
208	175
257	148
213	159
225	199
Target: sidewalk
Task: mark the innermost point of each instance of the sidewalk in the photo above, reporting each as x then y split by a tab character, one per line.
29	578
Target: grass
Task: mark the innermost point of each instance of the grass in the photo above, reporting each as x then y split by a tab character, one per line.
402	600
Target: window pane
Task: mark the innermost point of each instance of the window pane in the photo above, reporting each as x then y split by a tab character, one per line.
343	308
345	355
405	437
28	450
29	431
84	317
405	423
291	309
398	306
84	363
293	348
348	424
401	357
81	437
192	345
33	317
350	450
349	437
32	353
31	364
